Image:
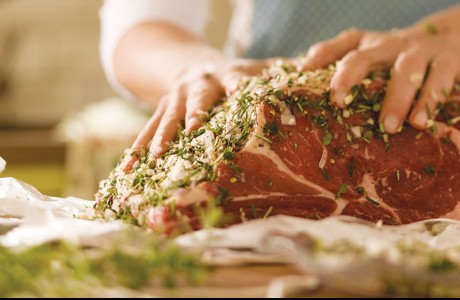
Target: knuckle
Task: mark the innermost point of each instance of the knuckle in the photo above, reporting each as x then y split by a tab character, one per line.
350	32
408	60
444	62
318	49
172	115
197	90
353	57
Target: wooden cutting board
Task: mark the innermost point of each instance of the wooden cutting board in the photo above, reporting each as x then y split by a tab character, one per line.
247	281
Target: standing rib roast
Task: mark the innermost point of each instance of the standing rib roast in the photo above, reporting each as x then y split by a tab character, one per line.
277	146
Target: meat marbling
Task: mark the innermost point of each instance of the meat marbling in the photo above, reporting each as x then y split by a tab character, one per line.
277	146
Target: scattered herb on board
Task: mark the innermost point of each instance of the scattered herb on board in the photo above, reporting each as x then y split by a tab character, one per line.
62	269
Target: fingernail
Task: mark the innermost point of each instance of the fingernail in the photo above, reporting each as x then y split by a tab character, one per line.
192	124
155	147
129	164
420	119
391	123
129	160
338	97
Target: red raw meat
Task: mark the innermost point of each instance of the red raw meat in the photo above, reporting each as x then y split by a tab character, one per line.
327	162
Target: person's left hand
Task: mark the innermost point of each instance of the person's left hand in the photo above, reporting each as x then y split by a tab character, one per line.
412	54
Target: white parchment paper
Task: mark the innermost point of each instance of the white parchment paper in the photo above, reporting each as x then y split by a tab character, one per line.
353	254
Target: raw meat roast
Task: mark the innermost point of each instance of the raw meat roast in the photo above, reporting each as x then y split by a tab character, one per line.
277	146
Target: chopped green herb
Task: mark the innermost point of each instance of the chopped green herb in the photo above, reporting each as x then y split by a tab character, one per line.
387	146
279	94
267	213
355	90
325	174
349	138
428	111
327	139
263	138
339	119
320	121
351	166
430	170
198	132
436	228
254	211
228	154
376	203
430	28
342	190
367	135
446	117
381	128
446	140
299	105
271	129
441	264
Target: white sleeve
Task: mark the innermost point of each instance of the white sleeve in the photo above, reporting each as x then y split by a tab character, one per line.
117	16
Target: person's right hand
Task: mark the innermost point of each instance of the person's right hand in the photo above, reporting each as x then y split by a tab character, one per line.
198	88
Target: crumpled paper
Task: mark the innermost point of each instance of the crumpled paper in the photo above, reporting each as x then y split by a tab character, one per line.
29	218
345	253
340	252
2	164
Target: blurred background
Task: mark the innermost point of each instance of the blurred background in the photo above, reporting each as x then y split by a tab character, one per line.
62	128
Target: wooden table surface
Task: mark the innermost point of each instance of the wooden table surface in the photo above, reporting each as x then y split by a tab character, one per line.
247	282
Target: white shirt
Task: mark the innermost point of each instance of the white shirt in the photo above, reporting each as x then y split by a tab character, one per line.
261	28
118	16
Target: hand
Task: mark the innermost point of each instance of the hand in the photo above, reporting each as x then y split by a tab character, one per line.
413	54
198	89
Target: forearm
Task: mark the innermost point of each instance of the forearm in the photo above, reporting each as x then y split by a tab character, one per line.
150	56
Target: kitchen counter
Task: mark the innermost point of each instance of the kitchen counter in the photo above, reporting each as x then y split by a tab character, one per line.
36	157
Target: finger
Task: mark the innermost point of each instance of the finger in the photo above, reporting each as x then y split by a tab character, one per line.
170	122
406	78
200	98
231	79
357	64
439	83
327	52
146	135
